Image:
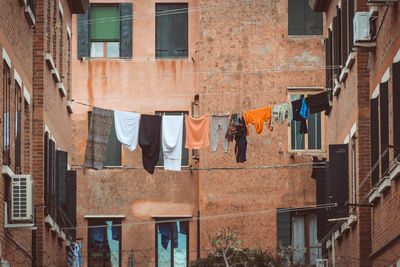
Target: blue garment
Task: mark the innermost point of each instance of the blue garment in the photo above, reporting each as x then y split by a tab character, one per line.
165	230
97	237
79	254
304	110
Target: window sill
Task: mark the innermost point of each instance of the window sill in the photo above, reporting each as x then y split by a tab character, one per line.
373	195
6	171
172	58
29	15
69	107
304	36
61	89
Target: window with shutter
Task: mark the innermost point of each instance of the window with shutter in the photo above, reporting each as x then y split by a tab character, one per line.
105	31
374	140
6	114
18	128
71	202
350	19
336	44
46	173
384	126
62	159
171	30
185	151
396	106
302	20
329	70
113	157
338	179
344	27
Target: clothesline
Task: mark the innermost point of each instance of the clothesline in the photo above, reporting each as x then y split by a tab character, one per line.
316	165
220	216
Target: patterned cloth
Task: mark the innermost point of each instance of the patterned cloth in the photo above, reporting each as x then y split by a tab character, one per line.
281	112
99	130
231	132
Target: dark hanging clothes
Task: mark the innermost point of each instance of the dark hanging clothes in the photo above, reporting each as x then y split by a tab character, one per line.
296	108
149	140
99	130
318	168
319	102
241	141
165	230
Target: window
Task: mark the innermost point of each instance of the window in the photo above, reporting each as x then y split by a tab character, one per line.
299	230
374	120
313	139
105	31
172	244
396	106
18	127
303	20
171	30
6	114
104	238
185	151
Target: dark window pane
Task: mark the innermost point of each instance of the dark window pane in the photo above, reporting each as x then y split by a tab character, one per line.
297	139
384	123
283	228
396	106
171	30
113	157
314	131
374	140
302	20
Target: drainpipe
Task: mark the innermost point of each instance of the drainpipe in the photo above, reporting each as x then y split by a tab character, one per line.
198	234
333	251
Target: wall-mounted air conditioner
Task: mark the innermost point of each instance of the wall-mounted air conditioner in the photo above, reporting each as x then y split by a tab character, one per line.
21	198
361	27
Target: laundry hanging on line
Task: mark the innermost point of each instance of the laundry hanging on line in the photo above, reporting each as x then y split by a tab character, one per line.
152	131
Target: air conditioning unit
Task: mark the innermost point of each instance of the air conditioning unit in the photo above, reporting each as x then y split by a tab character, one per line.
361	27
322	263
21	198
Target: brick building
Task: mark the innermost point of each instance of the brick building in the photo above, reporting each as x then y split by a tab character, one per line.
197	57
363	43
36	190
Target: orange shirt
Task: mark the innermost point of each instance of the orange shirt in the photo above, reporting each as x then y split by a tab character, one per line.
258	117
197	131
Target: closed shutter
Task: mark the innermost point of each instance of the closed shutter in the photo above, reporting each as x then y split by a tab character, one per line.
343	17
384	123
126	30
46	174
396	107
374	140
62	159
336	43
351	16
283	223
323	193
313	20
83	35
113	157
52	179
339	179
171	30
71	201
329	69
296	17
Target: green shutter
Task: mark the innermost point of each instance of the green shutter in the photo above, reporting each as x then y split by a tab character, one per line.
104	24
313	20
283	228
126	30
113	157
171	30
296	18
83	35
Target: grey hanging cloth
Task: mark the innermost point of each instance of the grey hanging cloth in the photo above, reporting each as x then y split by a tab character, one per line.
99	131
149	140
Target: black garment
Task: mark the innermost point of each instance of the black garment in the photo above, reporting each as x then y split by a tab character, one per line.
319	102
149	140
318	168
241	141
296	107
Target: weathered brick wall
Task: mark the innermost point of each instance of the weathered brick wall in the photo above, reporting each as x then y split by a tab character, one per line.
15	38
251	60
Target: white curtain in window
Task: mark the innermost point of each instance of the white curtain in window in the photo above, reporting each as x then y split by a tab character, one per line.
314	252
298	239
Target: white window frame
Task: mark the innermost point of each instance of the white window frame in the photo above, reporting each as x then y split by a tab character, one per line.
306	91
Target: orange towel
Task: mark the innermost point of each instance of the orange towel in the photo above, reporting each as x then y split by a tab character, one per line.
258	117
197	131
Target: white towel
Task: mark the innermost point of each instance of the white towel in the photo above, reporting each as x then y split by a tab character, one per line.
127	128
172	127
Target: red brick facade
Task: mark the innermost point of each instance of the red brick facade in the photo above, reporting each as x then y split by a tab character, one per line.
23	46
